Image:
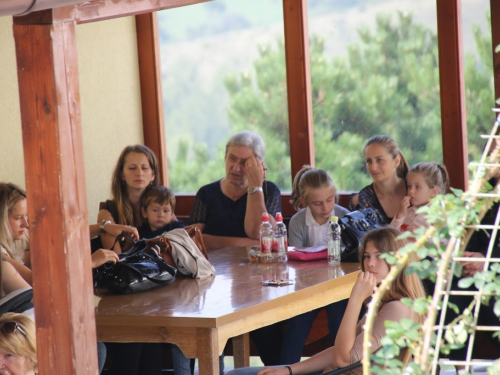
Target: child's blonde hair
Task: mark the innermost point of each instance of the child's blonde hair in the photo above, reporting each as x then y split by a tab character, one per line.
306	179
435	175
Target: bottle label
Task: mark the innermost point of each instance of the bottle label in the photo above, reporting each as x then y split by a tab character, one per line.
266	244
280	245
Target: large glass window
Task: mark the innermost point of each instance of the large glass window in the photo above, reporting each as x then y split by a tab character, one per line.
478	72
223	71
374	67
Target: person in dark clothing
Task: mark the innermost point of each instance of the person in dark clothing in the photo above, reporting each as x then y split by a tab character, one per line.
476	248
157	208
229	213
136	170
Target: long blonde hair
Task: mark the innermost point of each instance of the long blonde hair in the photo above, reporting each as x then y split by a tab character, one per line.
21	343
119	189
405	285
306	179
10	195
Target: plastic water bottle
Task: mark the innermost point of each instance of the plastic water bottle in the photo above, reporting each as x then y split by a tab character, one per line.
266	239
280	245
334	241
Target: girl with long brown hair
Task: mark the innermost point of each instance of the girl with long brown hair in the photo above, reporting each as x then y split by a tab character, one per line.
348	346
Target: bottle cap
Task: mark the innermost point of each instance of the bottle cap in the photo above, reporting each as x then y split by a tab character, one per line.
279	217
334	219
265	216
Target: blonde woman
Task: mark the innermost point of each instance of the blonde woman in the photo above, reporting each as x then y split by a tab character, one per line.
14	238
17	345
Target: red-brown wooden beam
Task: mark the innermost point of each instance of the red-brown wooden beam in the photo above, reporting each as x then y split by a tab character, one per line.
99	10
452	88
300	116
495	38
148	46
55	183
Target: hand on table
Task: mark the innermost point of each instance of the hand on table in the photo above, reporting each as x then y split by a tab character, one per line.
470	268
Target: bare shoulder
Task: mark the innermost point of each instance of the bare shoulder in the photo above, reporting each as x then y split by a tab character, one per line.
395	310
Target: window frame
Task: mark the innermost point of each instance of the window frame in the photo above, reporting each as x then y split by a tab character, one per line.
301	132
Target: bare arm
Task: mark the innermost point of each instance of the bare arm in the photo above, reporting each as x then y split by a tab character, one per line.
113	230
20	268
217	242
106	239
314	364
11	280
346	336
355	200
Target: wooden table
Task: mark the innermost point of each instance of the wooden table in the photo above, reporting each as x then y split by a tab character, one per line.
201	315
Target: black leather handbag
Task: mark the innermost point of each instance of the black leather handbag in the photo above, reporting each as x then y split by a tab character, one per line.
353	228
139	269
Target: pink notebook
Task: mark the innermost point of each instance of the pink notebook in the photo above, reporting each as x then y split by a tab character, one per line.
308	253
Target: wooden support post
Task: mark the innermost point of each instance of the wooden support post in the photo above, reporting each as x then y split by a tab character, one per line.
55	182
452	88
300	116
153	121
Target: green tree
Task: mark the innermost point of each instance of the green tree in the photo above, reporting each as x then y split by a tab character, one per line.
387	83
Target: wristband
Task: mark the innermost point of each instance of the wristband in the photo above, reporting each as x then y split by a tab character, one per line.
289	370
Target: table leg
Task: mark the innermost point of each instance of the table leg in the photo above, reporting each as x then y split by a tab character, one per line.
208	351
241	350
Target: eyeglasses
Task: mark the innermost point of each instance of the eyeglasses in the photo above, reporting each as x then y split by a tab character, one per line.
10	327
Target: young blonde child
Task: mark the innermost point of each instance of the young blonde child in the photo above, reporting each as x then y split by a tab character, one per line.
157	208
314	196
424	182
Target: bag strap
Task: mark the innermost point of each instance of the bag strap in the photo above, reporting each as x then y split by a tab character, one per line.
126	236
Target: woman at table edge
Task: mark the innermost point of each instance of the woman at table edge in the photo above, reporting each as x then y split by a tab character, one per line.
243	194
135	170
388	168
348	346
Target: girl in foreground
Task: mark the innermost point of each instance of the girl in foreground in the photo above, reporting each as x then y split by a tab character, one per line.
348	346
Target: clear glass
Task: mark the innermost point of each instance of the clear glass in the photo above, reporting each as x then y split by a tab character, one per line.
374	67
223	70
478	73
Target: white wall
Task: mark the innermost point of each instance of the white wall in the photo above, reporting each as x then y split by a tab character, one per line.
110	103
